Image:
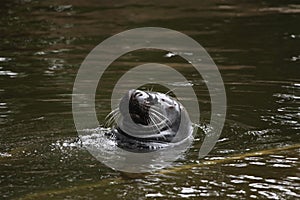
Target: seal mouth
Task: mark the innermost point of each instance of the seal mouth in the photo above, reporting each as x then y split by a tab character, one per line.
139	113
139	103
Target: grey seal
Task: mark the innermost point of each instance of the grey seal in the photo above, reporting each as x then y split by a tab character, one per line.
148	121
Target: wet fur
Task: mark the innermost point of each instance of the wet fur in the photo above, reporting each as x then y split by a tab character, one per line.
156	111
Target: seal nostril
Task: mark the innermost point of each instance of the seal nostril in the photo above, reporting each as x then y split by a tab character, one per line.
137	94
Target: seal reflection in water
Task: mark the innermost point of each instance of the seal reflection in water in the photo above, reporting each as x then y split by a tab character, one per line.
149	121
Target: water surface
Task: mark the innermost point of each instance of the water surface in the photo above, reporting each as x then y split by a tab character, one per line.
255	44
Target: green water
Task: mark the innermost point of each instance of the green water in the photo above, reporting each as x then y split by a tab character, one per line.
255	44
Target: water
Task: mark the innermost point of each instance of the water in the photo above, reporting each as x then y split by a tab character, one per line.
255	45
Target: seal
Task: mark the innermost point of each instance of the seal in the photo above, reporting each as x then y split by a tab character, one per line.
149	121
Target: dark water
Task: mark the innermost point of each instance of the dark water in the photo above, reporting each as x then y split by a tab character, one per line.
255	44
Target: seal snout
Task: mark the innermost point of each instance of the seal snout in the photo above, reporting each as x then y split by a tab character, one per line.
135	105
139	107
140	96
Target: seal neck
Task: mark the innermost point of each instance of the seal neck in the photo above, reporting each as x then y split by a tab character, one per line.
155	137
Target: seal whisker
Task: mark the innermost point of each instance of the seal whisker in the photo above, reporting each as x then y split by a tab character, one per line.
155	120
159	130
171	90
112	116
156	117
151	121
161	121
154	124
114	111
109	122
159	114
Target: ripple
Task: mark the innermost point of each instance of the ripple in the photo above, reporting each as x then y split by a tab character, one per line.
3	105
295	58
293	36
293	178
236	165
94	137
4	112
170	55
188	192
257	163
249	177
286	97
3	59
5	155
269	195
62	8
237	181
56	51
288	110
62	144
291	8
281	165
153	195
182	84
261	132
8	73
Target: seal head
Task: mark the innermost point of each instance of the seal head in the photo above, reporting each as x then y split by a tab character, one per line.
148	121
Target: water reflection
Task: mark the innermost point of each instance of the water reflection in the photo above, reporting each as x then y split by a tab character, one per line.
287	107
8	73
255	45
2	59
3	112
